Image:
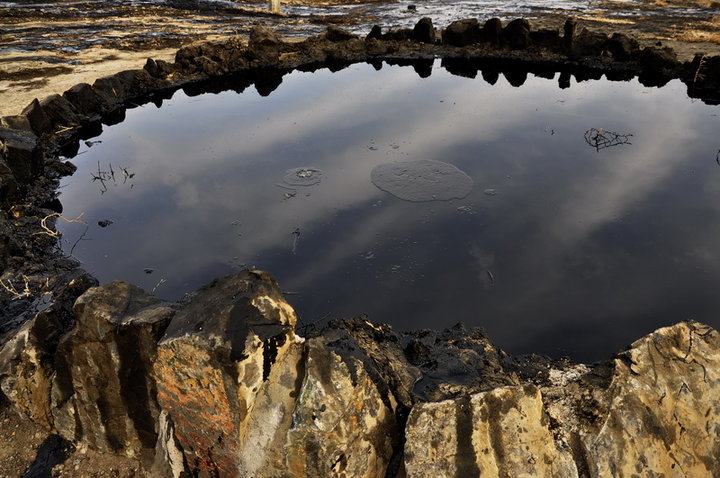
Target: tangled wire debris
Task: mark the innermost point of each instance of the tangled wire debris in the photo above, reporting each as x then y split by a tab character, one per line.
601	138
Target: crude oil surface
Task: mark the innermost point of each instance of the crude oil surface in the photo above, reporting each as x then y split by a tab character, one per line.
585	217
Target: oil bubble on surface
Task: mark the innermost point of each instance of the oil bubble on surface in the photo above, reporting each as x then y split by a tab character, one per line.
422	180
302	176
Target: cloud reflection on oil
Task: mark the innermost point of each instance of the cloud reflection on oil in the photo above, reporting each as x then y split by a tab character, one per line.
577	252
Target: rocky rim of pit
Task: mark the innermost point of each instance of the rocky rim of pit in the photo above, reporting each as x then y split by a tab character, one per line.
41	286
33	141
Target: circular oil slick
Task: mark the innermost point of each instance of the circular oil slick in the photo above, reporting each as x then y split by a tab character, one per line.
302	176
422	180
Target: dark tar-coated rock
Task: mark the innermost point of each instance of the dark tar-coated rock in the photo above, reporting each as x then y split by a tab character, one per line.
569	31
337	34
622	47
516	34
424	31
60	112
21	153
84	99
19	122
589	43
491	31
462	32
8	185
262	38
39	121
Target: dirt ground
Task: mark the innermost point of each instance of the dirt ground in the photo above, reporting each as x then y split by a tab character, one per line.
45	50
26	450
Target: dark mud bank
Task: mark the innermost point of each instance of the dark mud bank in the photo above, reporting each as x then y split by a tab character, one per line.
221	384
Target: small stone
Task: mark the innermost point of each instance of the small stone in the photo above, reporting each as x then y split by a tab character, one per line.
337	34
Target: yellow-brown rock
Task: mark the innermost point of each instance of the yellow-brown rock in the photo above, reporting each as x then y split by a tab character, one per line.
664	416
103	390
343	425
503	432
221	385
653	411
26	367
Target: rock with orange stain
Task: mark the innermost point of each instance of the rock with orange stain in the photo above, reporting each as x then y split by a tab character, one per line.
226	367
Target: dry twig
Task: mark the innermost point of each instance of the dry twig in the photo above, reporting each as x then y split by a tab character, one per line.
49	232
698	75
601	138
26	290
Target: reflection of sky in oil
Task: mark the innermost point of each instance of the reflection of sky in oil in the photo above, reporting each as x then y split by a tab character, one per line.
558	249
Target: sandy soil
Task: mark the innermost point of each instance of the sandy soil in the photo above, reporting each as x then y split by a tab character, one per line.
24	78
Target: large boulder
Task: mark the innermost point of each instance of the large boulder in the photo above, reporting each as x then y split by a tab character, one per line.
652	411
337	34
84	99
159	68
623	47
589	43
61	113
263	38
27	367
547	38
503	432
245	396
658	59
20	122
343	423
37	118
117	89
570	28
663	414
216	361
491	31
103	390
